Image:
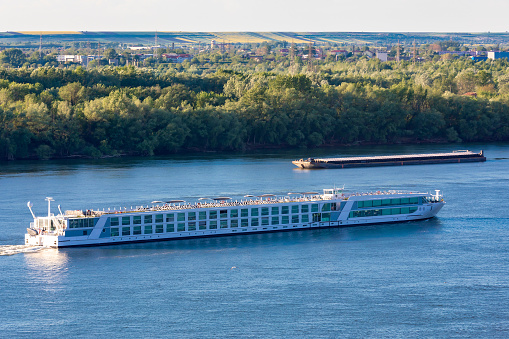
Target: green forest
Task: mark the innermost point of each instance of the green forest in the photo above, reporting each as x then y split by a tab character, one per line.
203	105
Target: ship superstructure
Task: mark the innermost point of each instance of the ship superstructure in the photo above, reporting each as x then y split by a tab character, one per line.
222	216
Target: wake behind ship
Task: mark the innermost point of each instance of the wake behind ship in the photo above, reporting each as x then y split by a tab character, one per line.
221	216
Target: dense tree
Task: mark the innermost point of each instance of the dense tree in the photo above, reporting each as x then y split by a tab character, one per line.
58	112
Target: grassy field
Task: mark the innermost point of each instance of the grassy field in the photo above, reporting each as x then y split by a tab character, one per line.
357	38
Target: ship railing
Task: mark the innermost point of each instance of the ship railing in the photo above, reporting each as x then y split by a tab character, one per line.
249	202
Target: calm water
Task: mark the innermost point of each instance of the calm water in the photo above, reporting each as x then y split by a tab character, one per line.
446	277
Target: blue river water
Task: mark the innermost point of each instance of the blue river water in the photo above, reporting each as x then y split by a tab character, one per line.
444	277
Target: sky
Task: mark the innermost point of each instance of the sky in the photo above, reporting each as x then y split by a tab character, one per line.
255	15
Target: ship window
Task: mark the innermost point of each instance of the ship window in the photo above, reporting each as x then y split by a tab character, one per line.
326	207
114	231
191	216
351	214
126	230
395	210
265	211
159	229
386	211
265	221
368	203
405	201
213	225
126	221
316	217
254	212
181	216
325	216
395	201
159	218
414	200
285	219
224	223
244	222
295	219
147	219
255	222
377	202
137	220
377	212
223	214
170	228
305	218
147	229
202	215
244	212
234	213
170	217
136	230
191	226
412	209
213	214
275	221
360	204
386	202
295	209
203	225
304	209
234	223
275	210
369	213
181	227
113	221
314	208
405	210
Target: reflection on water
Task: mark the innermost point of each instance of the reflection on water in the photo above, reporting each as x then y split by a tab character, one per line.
47	268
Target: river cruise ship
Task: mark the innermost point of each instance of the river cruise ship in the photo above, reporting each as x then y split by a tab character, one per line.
222	216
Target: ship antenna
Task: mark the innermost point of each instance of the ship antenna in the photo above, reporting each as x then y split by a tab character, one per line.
49	200
29	204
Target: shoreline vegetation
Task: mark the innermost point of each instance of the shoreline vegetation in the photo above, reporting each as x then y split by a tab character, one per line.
203	106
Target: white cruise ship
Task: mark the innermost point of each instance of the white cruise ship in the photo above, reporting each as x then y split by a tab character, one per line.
222	216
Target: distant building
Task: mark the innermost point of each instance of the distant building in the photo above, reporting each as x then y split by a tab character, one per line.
498	55
479	58
138	48
65	58
177	58
382	56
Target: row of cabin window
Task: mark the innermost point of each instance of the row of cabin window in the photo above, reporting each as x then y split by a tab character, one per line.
223	214
386	202
384	211
82	222
214	224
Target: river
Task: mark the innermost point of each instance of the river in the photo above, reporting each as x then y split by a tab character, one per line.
444	277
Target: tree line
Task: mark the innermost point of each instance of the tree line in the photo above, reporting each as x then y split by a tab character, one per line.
51	112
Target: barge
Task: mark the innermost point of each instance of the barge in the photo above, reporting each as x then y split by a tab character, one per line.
177	219
391	160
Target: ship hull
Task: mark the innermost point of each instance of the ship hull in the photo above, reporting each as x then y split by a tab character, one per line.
422	159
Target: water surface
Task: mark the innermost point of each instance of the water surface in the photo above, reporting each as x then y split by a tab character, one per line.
445	277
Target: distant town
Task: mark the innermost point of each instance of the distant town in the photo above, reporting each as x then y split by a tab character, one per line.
91	49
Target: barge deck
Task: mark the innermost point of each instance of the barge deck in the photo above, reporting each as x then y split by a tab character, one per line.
391	160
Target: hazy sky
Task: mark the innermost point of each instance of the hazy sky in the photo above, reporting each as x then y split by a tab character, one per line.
255	15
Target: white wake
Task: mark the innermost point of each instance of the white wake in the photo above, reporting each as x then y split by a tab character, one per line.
15	249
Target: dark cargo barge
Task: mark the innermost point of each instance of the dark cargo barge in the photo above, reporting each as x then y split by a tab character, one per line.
392	160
